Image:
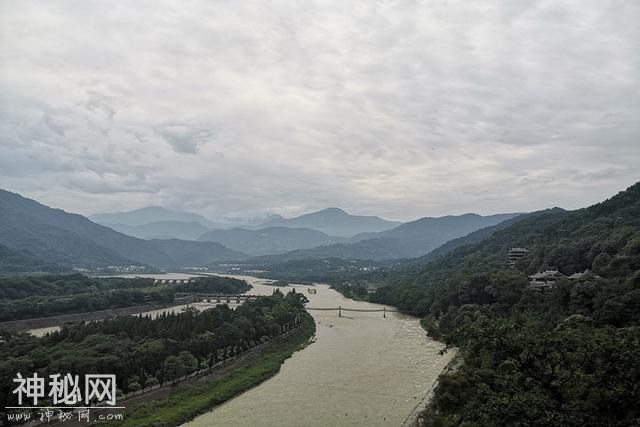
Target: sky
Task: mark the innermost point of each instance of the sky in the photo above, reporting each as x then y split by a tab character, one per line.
401	109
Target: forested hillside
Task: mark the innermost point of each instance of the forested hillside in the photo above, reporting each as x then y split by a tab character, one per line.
409	240
19	261
564	354
59	237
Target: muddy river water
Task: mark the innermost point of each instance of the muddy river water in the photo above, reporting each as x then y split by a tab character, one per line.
362	369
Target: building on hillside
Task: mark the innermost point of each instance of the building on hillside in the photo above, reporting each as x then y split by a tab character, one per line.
545	279
515	254
583	275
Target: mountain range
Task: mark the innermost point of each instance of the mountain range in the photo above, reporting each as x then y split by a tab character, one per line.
157	222
334	222
46	236
273	234
408	240
55	236
269	240
149	215
328	233
185	230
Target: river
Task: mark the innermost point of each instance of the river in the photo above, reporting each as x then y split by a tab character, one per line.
39	332
362	369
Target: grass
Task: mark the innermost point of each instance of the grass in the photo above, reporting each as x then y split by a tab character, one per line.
186	403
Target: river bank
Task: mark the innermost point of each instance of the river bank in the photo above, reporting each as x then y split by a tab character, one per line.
199	396
421	414
166	395
40	325
363	369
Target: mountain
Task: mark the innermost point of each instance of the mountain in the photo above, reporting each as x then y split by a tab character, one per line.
184	253
56	236
334	222
408	240
481	234
270	240
22	261
52	243
147	215
565	342
370	249
421	236
162	230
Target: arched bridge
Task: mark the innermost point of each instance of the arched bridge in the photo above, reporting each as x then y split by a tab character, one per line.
221	298
174	281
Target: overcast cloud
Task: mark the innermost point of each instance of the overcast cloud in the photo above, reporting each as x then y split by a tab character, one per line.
397	108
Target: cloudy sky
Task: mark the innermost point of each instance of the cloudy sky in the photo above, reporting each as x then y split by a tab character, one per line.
397	108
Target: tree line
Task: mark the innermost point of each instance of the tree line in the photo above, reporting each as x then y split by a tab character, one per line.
26	297
565	355
143	351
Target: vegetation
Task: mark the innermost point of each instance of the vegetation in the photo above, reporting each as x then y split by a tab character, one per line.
215	285
13	261
57	237
185	403
277	283
41	296
568	355
408	240
143	350
329	270
13	288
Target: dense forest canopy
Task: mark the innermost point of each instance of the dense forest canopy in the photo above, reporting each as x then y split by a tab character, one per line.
566	354
15	261
141	350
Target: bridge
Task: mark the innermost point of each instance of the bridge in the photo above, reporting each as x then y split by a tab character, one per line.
340	309
240	298
174	281
221	298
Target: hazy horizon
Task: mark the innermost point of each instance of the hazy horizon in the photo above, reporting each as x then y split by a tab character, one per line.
241	221
395	109
448	129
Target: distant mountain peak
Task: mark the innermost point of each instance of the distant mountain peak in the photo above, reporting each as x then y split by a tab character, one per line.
331	210
408	240
151	209
334	221
148	215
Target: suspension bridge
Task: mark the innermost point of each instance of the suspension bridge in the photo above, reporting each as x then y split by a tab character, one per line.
240	298
340	309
